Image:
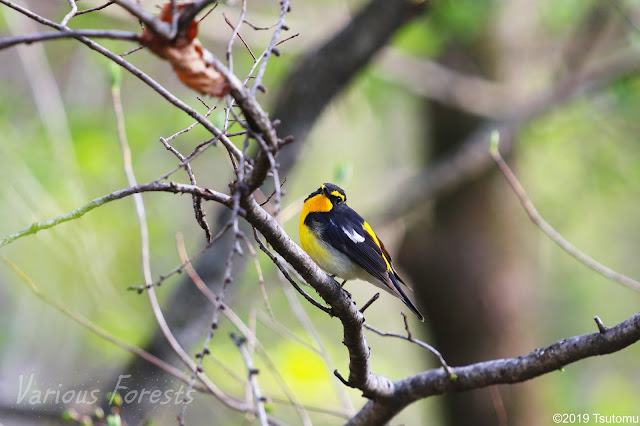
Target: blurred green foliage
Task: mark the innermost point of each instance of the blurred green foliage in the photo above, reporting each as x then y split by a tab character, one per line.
463	21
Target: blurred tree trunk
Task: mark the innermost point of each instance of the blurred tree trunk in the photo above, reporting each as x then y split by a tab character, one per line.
469	261
472	278
471	271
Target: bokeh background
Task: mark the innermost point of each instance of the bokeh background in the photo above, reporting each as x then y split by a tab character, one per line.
491	284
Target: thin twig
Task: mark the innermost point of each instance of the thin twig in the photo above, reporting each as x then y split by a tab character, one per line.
625	14
287	39
182	251
246	331
243	42
366	305
201	216
146	264
601	327
191	10
270	364
314	409
197	369
273	193
173	187
71	14
304	320
33	38
406	326
235	33
195	123
284	8
498	406
274	171
199	149
208	12
144	16
284	271
96	329
342	379
420	343
217	301
256	263
163	29
555	236
93	9
135	49
257	28
281	329
258	399
178	269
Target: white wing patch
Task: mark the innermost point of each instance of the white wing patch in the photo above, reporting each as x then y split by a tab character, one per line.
353	235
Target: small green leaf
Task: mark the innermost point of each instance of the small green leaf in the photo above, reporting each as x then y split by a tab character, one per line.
99	413
115	75
114	420
69	415
342	172
494	142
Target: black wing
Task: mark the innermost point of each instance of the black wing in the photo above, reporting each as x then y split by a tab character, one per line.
344	230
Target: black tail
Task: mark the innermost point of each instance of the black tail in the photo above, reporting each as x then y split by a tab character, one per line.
397	289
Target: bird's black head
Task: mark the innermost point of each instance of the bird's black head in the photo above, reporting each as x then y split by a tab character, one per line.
334	193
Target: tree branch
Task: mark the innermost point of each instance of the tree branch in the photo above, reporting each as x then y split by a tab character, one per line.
233	150
257	119
149	19
470	93
473	158
331	66
298	105
389	398
173	187
544	226
500	371
96	329
191	10
360	375
54	35
258	399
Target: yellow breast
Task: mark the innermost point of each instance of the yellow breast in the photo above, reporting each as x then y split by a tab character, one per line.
308	239
312	245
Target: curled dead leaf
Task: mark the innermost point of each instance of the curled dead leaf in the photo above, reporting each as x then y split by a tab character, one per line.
189	59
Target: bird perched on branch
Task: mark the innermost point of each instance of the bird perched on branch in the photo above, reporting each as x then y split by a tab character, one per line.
343	244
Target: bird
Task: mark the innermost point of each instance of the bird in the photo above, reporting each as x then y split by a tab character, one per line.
343	244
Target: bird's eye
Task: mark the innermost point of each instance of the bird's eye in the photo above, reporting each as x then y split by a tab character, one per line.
338	200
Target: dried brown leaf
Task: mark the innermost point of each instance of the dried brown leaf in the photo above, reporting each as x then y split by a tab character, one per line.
189	59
